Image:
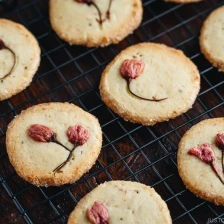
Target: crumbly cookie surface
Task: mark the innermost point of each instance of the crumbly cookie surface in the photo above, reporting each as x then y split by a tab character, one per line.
212	38
168	73
78	23
126	202
197	175
26	57
35	161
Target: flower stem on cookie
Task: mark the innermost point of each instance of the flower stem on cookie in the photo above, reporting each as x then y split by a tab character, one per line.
108	10
66	161
2	47
91	2
98	213
78	136
131	69
220	145
206	154
143	98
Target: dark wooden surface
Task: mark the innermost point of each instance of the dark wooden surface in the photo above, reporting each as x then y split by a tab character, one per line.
130	151
9	212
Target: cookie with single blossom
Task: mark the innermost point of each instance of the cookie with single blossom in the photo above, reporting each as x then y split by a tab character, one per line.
121	202
95	23
200	160
19	58
52	144
149	83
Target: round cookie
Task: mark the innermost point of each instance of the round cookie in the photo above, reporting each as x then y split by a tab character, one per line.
212	38
97	23
182	1
122	202
41	138
198	176
19	58
167	76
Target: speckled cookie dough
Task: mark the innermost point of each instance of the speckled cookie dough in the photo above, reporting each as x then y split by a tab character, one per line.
95	23
212	38
52	144
149	83
200	160
119	202
19	58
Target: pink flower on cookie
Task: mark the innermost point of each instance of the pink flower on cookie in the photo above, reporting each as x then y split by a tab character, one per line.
77	134
206	154
98	214
41	133
132	68
220	140
220	145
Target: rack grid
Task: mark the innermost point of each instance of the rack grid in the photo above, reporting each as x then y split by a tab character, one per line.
130	151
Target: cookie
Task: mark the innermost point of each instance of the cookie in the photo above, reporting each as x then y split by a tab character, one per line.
182	1
212	38
200	160
149	83
118	202
95	23
19	58
52	144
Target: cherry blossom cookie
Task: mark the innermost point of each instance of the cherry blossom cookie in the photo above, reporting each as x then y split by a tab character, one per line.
53	143
149	83
118	202
212	38
19	58
201	160
95	23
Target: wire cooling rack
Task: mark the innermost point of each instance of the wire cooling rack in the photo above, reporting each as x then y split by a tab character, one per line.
130	151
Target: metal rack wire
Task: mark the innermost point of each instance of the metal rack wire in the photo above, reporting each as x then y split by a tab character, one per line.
130	151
